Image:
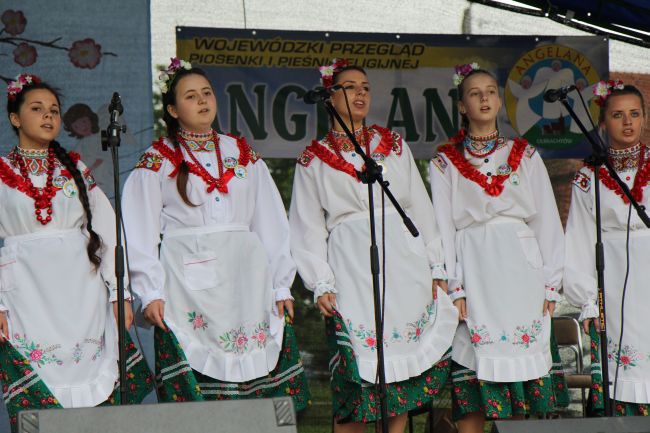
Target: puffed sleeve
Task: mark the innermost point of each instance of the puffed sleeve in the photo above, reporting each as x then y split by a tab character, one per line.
580	280
141	207
308	234
440	174
270	224
547	227
421	211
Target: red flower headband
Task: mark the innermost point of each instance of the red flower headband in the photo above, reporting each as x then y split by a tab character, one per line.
17	86
462	71
603	89
327	72
167	76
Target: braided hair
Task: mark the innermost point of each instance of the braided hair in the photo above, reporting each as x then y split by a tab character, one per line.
95	242
173	127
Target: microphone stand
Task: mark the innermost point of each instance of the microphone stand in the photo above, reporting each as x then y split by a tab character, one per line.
371	175
111	138
598	159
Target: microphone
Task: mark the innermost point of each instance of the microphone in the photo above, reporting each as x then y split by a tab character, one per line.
320	93
552	95
115	107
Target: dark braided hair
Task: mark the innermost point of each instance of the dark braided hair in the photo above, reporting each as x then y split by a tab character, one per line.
95	242
173	126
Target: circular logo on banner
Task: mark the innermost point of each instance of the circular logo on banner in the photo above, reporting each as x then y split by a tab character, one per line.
548	124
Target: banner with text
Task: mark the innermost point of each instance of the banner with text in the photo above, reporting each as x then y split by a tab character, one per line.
260	77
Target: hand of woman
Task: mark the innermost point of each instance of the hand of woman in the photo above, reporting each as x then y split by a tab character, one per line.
288	304
549	307
587	322
155	313
4	327
327	304
439	283
461	306
128	314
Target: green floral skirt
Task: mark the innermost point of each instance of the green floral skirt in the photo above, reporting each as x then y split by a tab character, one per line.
32	393
595	406
178	382
355	400
502	400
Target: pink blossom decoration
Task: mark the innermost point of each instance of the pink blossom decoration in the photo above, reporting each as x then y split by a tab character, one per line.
85	54
166	76
14	21
25	55
36	355
327	71
198	322
14	88
603	89
241	340
462	71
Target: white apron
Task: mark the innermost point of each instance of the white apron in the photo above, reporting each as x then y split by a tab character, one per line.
220	301
634	371
505	338
59	315
417	330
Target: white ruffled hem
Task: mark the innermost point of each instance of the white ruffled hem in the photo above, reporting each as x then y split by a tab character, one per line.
514	369
435	342
229	367
631	391
92	393
102	384
493	369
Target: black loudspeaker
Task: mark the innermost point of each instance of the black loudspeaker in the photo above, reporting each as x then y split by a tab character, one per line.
628	424
273	415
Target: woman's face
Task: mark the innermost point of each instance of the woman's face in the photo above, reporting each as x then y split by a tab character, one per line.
623	120
480	100
196	104
38	120
356	87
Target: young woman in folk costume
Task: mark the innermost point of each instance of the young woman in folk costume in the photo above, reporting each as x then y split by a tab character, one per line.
622	117
503	240
218	287
57	269
330	242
